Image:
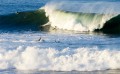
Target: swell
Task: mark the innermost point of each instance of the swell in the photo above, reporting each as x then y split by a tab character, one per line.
23	21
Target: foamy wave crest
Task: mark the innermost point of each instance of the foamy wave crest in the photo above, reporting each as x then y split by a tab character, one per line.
60	18
81	59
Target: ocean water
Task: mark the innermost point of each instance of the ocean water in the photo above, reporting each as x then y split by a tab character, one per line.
59	37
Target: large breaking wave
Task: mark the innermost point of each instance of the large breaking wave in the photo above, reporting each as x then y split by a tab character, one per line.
88	18
59	16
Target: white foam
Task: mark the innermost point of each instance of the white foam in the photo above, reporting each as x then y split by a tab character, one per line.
81	59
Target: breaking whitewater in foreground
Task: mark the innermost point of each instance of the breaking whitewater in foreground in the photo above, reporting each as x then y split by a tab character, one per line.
58	52
62	38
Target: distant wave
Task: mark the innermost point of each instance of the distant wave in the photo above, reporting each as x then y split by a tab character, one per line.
49	16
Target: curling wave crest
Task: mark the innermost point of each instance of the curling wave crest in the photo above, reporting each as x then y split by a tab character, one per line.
63	18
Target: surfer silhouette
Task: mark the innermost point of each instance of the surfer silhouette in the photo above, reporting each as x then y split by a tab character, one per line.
40	39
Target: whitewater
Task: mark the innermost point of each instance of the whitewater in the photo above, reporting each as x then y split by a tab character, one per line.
60	37
64	53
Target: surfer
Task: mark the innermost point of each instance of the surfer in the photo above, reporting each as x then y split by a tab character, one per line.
40	39
57	41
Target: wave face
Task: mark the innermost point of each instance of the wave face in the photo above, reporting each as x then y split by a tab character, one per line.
81	59
23	21
112	26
